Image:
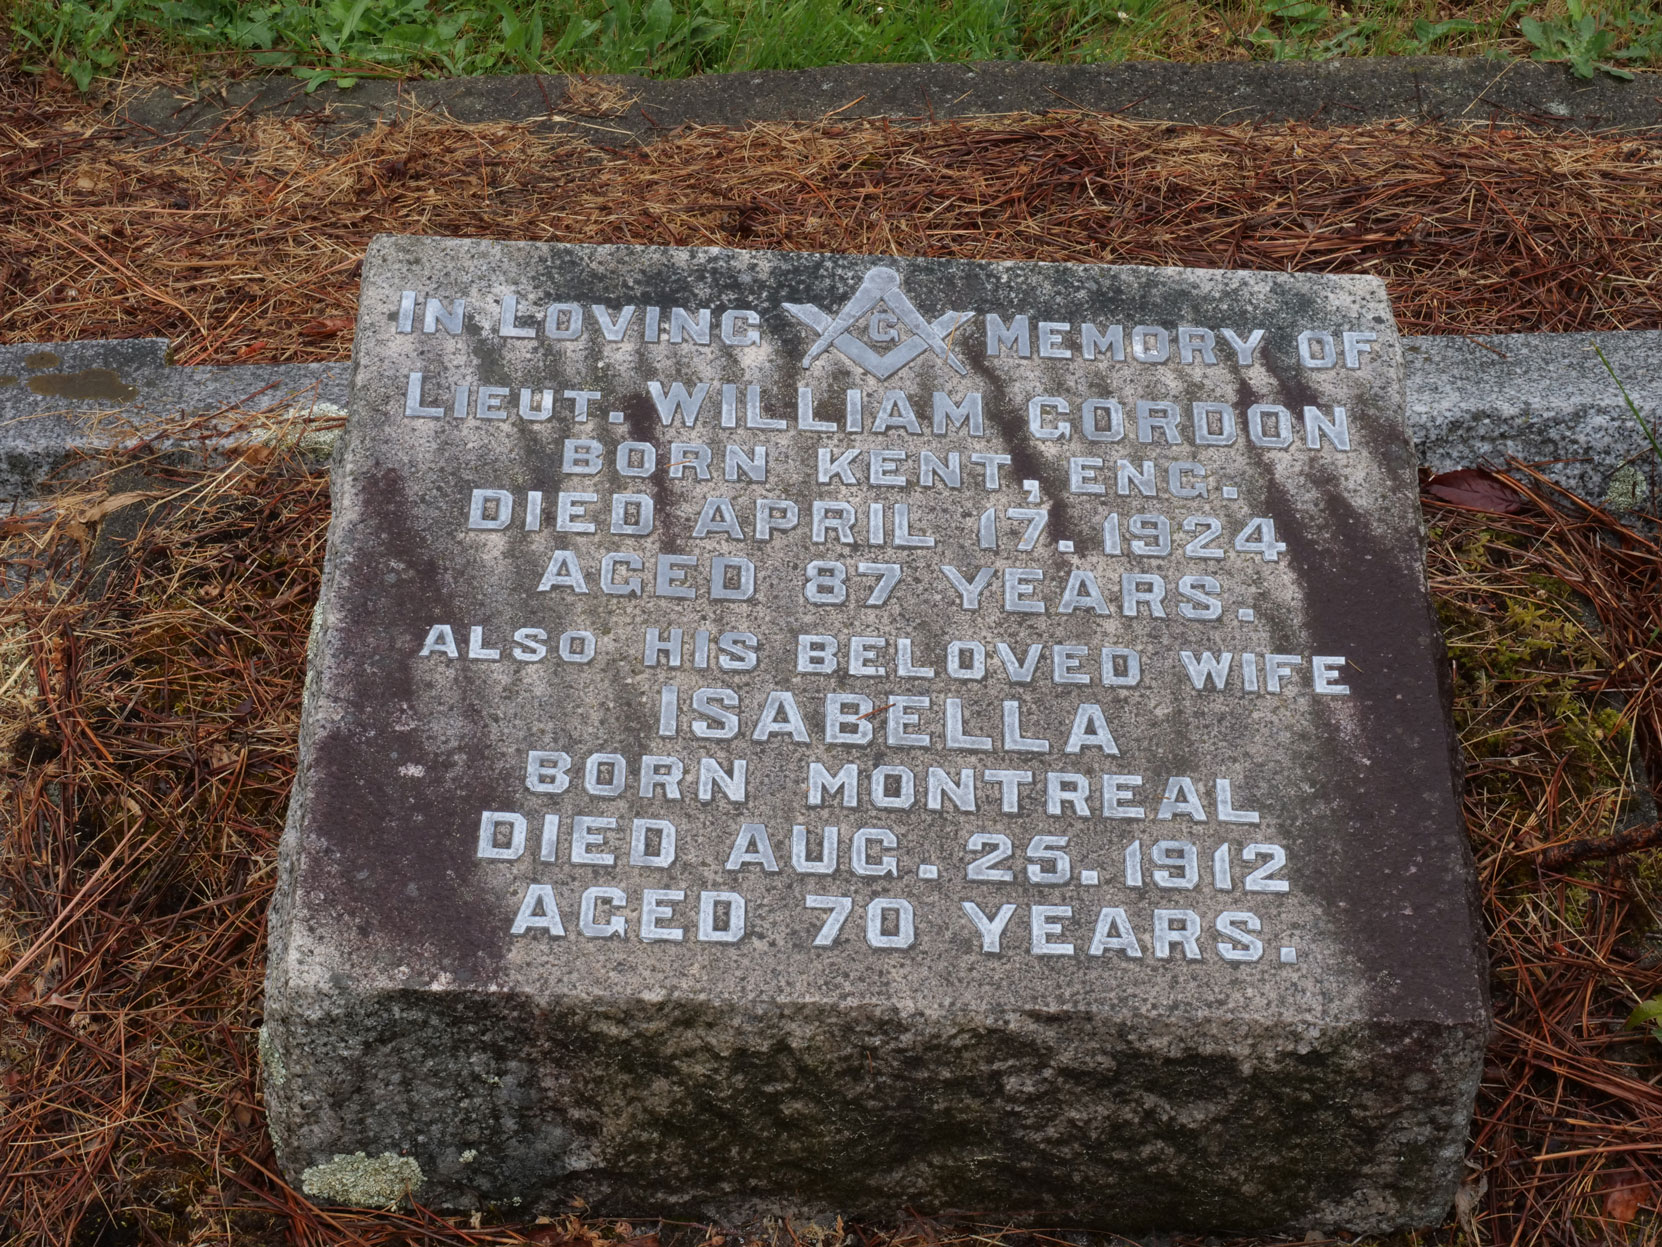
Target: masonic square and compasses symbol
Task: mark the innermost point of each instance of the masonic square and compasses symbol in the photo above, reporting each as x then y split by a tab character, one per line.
880	296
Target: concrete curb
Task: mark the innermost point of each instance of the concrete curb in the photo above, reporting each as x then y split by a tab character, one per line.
1543	398
60	401
1339	92
1538	397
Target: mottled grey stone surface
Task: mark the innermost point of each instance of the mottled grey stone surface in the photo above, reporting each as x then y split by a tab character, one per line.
1540	397
1308	1058
61	399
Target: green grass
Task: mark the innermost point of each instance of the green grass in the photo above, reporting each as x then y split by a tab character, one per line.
343	40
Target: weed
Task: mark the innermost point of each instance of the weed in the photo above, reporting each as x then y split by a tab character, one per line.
645	34
1300	30
79	39
1649	1013
343	40
1427	35
1650	432
1582	40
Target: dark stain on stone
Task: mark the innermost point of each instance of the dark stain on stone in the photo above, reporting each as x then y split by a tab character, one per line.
383	835
41	359
638	418
7	379
1358	583
641	424
1028	464
92	383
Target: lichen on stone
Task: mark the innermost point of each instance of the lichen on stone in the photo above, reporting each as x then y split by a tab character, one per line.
380	1181
272	1059
1628	490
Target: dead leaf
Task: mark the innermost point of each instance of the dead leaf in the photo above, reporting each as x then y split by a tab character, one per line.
113	502
1624	1193
326	325
1477	489
1467	1200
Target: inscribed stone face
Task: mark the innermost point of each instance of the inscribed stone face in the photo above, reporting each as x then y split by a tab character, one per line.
845	733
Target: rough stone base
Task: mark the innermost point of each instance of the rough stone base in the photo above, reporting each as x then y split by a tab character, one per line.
1209	1122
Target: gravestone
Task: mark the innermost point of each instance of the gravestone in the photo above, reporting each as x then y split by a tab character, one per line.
835	734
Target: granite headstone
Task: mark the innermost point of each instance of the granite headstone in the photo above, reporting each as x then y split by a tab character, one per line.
832	733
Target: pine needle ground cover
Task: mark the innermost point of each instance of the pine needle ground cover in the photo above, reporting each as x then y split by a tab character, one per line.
153	632
246	247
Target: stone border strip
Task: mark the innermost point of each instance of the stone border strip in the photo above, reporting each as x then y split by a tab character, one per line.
1543	398
1538	397
60	401
1338	92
